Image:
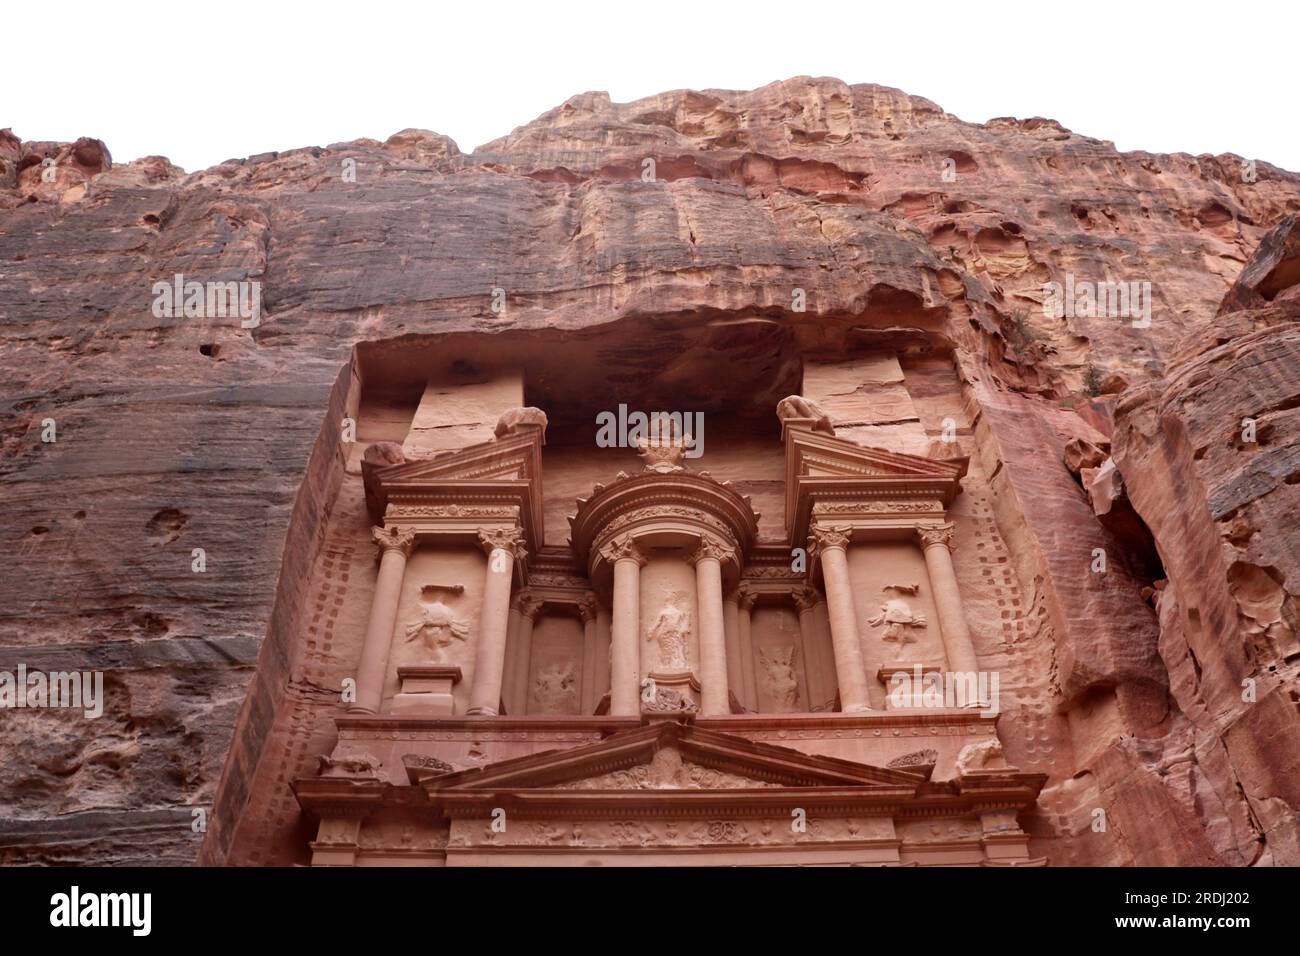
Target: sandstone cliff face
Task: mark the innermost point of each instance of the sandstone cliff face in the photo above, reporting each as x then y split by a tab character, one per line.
898	223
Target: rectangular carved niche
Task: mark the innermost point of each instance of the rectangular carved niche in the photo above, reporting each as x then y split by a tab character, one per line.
555	665
780	668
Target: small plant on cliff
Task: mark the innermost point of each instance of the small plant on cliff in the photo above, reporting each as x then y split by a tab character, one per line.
1092	381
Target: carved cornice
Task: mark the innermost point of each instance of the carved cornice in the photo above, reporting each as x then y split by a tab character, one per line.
394	539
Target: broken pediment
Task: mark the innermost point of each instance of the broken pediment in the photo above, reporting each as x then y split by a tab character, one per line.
474	482
844	477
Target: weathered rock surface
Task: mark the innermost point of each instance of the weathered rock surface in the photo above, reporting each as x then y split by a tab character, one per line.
901	226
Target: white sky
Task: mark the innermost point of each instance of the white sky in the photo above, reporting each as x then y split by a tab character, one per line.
203	82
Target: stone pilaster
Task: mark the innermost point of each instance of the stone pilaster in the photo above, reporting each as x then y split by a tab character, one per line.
745	606
590	651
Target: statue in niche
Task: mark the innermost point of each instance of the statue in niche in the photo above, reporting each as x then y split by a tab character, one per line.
439	627
779	677
554	689
671	632
899	621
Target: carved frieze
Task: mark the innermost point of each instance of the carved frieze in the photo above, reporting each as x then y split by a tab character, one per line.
667	771
639	833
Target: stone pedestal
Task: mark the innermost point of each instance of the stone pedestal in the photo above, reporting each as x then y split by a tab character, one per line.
426	691
919	675
671	692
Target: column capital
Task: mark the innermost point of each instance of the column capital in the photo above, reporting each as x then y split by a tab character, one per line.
746	595
510	540
526	604
623	549
394	539
711	547
828	538
935	535
588	607
806	598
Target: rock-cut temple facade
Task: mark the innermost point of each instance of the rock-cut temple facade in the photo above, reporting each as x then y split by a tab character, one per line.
742	648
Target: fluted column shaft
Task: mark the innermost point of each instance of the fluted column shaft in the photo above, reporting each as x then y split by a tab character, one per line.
502	547
957	645
625	656
395	546
708	560
832	545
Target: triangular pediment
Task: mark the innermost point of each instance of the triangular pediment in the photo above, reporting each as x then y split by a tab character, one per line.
669	756
517	457
816	455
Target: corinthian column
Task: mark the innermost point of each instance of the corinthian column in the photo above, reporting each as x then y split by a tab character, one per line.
937	544
395	546
502	546
625	656
832	545
708	560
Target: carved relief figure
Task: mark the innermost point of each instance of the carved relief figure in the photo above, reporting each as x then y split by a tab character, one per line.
439	627
554	689
671	632
779	677
899	621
